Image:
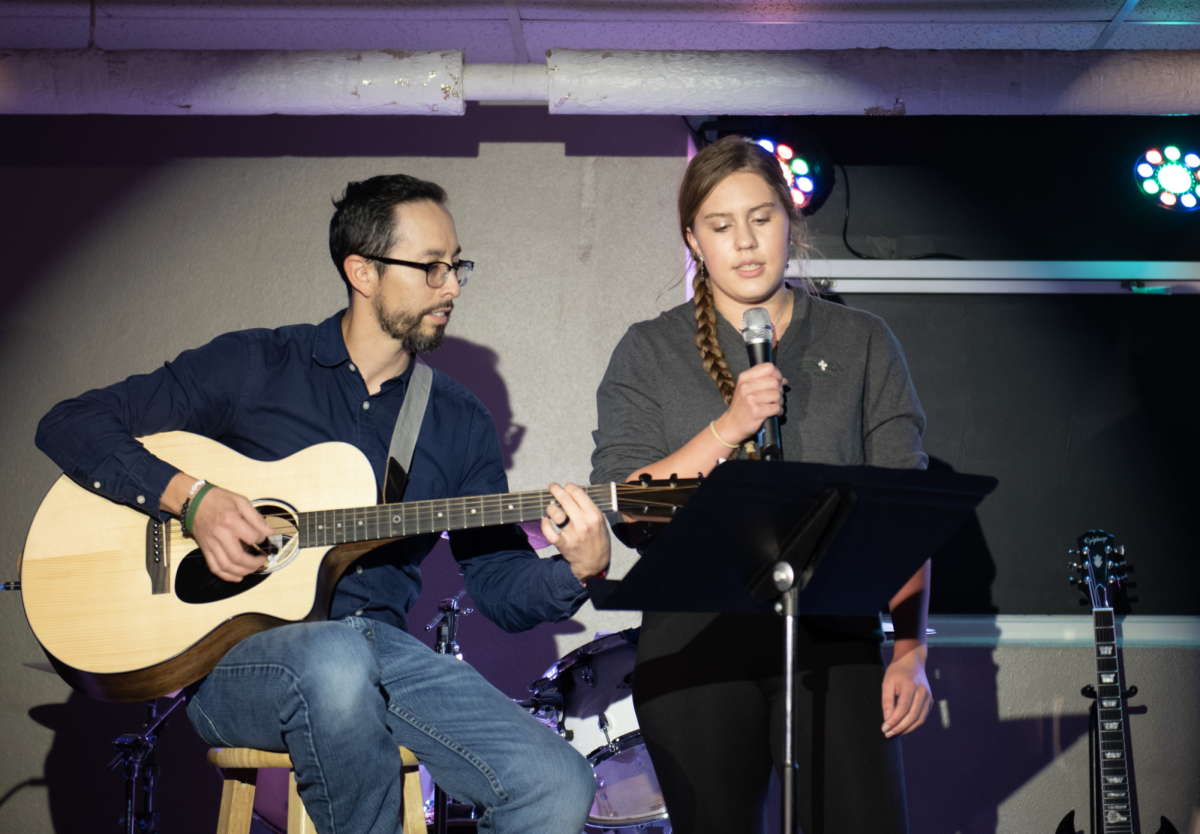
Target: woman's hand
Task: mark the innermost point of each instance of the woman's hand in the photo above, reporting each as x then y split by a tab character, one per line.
758	395
906	694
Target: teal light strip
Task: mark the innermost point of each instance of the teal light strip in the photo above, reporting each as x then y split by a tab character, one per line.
995	630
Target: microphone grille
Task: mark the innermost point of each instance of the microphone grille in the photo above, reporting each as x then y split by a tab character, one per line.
756	324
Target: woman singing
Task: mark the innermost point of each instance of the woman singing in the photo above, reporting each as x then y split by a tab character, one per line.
678	397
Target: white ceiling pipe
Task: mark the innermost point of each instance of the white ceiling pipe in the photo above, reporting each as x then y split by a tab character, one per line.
232	83
875	81
504	82
395	82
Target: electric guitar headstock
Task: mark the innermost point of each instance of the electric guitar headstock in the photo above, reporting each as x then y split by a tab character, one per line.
1101	568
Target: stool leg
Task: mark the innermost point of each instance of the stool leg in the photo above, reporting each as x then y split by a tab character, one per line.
237	800
299	822
413	808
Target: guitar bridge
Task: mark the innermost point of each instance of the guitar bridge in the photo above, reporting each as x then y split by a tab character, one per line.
158	556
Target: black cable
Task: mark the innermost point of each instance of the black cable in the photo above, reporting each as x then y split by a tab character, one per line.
857	254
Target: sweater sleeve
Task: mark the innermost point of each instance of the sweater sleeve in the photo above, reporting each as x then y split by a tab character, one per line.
893	420
629	412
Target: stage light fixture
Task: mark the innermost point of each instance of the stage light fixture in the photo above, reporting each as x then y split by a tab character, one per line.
797	170
1169	177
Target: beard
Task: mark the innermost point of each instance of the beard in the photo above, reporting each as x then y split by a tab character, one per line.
407	328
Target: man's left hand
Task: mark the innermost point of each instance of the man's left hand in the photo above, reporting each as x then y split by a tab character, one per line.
579	530
906	694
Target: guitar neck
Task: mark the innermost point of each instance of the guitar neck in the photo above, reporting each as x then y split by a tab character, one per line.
1117	816
327	528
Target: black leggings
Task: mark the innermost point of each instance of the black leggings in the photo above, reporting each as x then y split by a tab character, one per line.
708	690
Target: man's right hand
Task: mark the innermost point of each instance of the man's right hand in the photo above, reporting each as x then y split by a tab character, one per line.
224	525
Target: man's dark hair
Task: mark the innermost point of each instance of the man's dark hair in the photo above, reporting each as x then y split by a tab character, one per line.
365	221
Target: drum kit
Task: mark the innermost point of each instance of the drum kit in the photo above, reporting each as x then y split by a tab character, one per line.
587	698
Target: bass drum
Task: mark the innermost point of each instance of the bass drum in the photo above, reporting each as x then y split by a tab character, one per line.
595	684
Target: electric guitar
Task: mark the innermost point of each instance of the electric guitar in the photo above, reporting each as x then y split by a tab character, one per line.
126	609
1102	568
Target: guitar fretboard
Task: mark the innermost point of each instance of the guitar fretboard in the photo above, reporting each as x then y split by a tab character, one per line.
327	528
1117	817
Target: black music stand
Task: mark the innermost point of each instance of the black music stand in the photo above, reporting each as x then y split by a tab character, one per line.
795	539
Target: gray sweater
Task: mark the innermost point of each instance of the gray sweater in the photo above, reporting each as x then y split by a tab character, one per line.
849	398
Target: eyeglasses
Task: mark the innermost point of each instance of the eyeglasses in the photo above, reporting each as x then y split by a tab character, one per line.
436	272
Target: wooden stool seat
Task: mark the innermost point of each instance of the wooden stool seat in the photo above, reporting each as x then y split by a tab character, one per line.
241	765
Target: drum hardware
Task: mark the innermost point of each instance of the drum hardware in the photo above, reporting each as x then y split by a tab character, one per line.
137	754
447	643
447	625
592	690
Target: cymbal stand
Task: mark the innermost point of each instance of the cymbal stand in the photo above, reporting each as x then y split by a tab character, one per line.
447	643
137	754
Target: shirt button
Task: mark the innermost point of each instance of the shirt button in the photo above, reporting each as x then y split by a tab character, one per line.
141	499
358	613
366	404
352	367
358	568
96	484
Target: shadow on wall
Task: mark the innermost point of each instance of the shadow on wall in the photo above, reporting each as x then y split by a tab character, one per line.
509	662
966	760
85	796
963	568
477	368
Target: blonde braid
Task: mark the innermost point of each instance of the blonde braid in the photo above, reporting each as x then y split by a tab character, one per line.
706	336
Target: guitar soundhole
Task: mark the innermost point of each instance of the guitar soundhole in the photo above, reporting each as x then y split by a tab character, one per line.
196	585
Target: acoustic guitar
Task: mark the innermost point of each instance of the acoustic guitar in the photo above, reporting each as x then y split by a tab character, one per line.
126	609
1102	573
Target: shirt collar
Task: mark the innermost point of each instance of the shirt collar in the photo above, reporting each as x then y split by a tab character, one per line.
329	349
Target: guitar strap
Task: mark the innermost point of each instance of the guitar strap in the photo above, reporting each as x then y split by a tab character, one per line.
408	426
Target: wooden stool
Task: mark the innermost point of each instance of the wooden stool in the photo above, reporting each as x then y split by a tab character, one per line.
241	765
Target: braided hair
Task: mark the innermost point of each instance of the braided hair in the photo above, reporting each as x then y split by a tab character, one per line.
704	173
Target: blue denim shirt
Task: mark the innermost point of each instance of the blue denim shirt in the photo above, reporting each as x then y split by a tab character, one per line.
270	393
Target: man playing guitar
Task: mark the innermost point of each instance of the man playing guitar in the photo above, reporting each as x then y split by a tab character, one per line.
340	695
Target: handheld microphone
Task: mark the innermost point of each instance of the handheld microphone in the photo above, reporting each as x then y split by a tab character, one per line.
757	332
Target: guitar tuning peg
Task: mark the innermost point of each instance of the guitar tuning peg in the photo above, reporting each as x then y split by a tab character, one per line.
1121	550
1072	580
1073	566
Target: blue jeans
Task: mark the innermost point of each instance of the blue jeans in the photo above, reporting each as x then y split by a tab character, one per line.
340	696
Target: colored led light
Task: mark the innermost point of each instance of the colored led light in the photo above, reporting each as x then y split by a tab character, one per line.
1188	200
1174	177
1145	170
1151	186
799	198
785	152
1192	161
799	166
1167	198
805	184
1154	157
1171	152
767	145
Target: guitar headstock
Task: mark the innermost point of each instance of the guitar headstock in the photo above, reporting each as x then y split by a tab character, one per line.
648	498
1101	568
